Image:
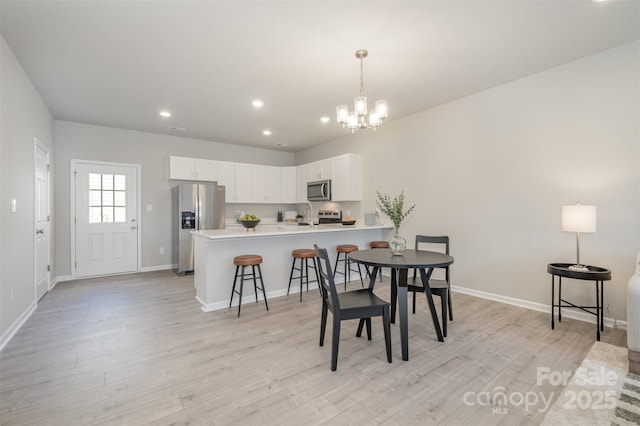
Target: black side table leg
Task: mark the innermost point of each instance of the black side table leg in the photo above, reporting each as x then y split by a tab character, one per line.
553	306
598	309
559	299
601	305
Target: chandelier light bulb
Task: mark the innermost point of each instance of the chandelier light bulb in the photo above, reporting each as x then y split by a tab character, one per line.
357	120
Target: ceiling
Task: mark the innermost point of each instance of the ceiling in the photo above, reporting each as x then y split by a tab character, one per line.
118	63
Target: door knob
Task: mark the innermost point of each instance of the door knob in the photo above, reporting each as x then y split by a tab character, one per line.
133	227
40	231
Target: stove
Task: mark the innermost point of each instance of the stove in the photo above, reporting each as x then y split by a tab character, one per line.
329	216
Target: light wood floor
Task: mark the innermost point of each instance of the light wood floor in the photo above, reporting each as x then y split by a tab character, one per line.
137	349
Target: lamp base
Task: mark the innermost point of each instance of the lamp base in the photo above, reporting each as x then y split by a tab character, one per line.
581	268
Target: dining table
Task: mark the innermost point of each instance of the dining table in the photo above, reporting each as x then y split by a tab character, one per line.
422	260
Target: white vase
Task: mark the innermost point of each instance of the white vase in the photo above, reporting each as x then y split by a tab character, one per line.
633	319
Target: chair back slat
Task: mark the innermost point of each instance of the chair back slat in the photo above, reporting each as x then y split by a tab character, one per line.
439	241
327	283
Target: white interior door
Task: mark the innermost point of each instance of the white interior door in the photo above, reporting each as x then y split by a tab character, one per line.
41	216
106	222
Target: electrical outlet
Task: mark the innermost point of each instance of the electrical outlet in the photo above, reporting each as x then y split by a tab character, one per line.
13	293
161	250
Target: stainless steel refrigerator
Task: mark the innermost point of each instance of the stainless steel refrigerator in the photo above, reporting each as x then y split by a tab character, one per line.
197	206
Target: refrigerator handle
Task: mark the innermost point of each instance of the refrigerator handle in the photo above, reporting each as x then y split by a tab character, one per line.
197	200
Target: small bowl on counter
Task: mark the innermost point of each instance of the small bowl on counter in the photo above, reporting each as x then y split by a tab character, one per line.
250	225
348	222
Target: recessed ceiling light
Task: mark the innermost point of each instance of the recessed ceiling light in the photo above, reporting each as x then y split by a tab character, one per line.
266	132
165	114
324	119
257	103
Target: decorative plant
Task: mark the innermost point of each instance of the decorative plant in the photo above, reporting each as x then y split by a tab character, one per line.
393	207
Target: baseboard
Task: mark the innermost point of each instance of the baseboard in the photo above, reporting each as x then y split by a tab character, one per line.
52	284
62	278
13	329
156	268
540	307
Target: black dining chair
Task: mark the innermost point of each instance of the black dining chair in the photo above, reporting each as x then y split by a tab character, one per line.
359	304
439	287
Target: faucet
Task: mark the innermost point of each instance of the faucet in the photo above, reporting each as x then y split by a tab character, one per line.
310	217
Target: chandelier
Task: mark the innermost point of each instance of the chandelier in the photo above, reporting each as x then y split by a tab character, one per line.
357	119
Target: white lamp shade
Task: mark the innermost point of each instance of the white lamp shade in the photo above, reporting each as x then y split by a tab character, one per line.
342	113
360	105
381	109
579	218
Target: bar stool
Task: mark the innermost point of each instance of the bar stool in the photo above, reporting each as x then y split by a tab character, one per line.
245	260
345	249
304	255
379	245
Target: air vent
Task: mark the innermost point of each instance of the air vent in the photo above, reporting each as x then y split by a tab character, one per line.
182	129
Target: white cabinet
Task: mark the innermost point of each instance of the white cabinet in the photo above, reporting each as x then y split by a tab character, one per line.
321	170
344	172
346	183
187	168
265	184
303	175
236	177
255	183
288	185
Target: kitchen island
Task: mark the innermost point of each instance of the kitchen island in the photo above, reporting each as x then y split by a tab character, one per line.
215	250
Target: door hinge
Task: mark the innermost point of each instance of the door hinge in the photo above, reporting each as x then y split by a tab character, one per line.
75	265
48	268
48	167
48	218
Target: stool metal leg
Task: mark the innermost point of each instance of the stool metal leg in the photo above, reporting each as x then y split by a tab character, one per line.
241	286
293	265
264	294
255	285
233	290
302	268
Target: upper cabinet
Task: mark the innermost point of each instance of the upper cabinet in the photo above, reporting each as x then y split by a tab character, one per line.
265	184
344	172
346	183
288	185
303	175
187	168
236	177
256	183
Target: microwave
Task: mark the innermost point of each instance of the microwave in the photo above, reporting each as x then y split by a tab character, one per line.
319	190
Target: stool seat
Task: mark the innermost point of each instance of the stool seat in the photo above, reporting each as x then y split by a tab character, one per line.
346	248
303	253
379	244
247	260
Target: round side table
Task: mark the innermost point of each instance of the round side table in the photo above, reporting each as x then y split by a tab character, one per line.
591	273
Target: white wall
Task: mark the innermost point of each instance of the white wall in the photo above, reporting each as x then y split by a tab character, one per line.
151	151
23	116
492	170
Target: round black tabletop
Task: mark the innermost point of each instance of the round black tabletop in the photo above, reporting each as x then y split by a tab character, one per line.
592	273
410	258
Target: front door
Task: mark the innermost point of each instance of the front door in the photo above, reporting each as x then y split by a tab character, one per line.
41	216
106	218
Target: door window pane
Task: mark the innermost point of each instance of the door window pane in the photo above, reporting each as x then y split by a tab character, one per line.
107	198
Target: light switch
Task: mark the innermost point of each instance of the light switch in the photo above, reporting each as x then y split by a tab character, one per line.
149	207
13	205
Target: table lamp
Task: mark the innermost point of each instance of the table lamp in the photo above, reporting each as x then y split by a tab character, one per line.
578	218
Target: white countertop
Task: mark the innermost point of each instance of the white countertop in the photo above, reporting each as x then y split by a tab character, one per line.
270	230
